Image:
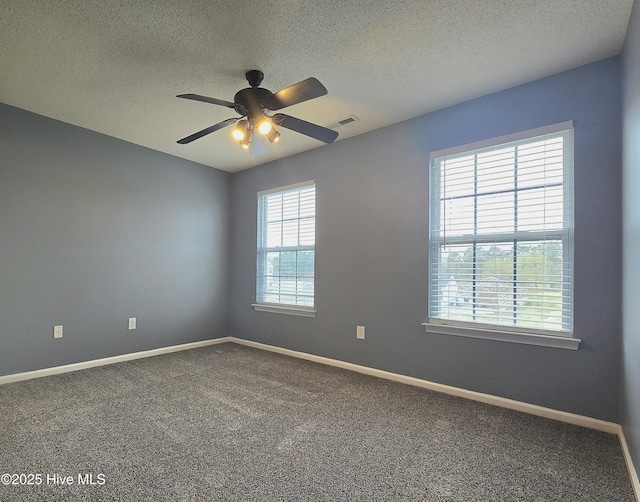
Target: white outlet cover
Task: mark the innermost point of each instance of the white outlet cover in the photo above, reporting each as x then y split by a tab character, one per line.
57	331
360	332
132	323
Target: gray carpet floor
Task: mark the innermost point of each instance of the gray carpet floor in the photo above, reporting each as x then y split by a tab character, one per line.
228	422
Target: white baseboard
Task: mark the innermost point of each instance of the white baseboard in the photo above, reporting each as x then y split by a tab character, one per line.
56	370
541	411
633	474
533	409
562	416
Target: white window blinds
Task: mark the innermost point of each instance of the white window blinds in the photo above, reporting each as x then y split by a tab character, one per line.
286	245
501	234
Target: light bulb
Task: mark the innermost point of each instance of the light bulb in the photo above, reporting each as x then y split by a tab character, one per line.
264	127
240	131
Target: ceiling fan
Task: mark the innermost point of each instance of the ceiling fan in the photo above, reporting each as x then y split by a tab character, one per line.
253	105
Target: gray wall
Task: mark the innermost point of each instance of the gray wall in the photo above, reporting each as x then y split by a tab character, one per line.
372	229
631	218
94	230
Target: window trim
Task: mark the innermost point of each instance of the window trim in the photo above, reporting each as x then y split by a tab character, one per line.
528	336
286	187
507	138
282	308
498	333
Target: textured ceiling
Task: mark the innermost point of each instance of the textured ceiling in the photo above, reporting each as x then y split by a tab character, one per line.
116	66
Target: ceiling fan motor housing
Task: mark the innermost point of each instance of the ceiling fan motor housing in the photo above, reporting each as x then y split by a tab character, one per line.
253	100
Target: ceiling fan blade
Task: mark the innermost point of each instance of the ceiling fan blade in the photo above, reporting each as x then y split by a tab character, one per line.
208	130
206	99
303	127
297	93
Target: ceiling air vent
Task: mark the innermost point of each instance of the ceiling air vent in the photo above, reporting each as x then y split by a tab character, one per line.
344	121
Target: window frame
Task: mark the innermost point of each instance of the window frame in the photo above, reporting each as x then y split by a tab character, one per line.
262	250
533	336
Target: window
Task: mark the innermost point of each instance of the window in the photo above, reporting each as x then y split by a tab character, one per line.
286	249
501	234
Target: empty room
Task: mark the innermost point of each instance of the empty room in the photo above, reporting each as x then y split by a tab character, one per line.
325	251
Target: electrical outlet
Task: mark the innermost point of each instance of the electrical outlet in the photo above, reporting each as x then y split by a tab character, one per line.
57	331
132	323
360	332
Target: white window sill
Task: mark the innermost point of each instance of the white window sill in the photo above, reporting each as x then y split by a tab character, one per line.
284	309
558	342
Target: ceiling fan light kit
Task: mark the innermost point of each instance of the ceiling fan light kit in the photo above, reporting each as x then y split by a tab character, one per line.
254	103
240	131
265	127
246	141
273	136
